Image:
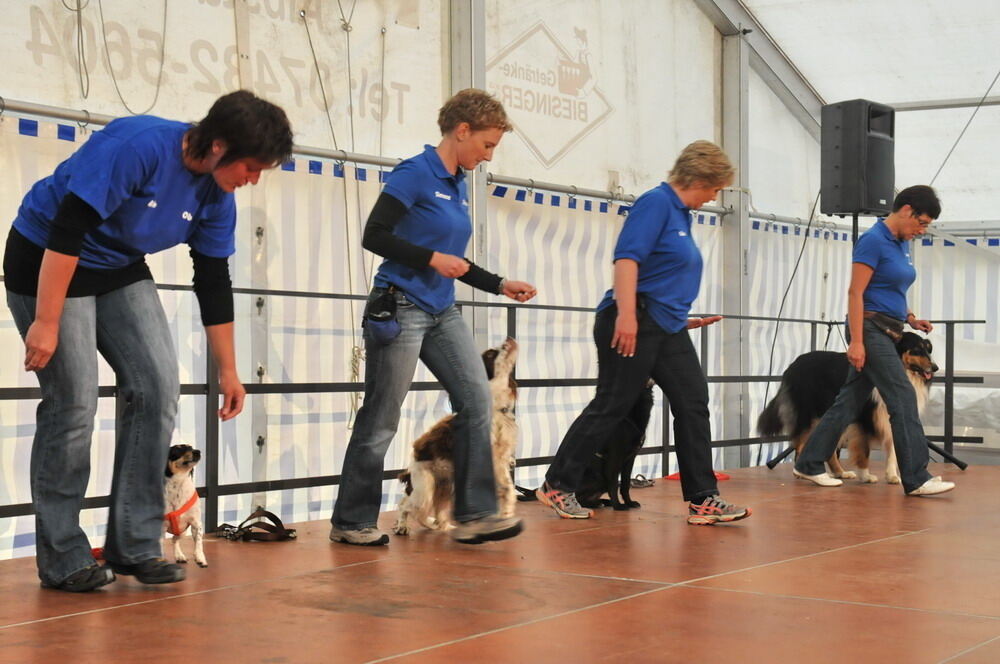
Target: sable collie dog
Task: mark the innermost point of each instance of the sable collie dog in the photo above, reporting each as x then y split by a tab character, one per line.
182	502
429	479
809	387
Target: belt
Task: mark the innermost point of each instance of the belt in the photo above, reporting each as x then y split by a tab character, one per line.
892	327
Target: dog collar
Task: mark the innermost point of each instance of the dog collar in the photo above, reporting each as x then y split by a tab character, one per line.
174	518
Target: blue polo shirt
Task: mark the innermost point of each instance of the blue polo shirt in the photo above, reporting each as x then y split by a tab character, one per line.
437	218
894	273
132	173
657	235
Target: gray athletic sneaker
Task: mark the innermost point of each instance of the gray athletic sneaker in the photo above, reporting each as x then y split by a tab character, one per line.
363	537
486	529
563	503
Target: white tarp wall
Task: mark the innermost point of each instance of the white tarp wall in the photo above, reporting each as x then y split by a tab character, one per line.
393	78
960	283
599	87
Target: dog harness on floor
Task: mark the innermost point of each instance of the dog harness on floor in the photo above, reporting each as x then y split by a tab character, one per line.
173	519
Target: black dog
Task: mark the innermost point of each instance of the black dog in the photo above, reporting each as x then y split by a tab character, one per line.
610	469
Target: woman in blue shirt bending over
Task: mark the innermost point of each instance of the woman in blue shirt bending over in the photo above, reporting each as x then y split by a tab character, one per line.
641	331
881	274
78	284
420	224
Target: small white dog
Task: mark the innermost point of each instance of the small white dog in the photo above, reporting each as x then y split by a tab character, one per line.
429	479
182	503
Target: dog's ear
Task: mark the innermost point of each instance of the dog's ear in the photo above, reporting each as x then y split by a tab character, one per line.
177	451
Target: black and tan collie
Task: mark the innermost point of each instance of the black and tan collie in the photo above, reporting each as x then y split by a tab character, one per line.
809	387
429	479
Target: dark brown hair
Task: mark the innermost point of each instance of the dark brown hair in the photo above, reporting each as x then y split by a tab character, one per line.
249	126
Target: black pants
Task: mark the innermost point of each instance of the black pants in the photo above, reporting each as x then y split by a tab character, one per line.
671	361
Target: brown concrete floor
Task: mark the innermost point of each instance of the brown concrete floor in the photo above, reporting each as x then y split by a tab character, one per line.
856	574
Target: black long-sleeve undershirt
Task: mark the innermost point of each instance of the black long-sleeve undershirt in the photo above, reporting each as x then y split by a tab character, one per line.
214	289
73	220
379	238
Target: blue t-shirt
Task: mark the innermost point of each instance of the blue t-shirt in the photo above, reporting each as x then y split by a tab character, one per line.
890	257
437	218
657	235
132	173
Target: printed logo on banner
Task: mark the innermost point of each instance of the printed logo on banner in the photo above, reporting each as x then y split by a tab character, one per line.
549	92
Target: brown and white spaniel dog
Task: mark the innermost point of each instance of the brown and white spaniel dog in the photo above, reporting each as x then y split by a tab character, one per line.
429	479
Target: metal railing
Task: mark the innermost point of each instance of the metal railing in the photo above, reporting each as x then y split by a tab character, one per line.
213	490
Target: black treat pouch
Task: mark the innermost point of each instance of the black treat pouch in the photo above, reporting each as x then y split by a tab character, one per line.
380	316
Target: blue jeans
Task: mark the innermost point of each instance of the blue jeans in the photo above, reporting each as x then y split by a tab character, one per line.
883	370
446	346
671	361
130	330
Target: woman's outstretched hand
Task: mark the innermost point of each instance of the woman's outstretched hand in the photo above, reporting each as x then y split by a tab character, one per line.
521	291
694	323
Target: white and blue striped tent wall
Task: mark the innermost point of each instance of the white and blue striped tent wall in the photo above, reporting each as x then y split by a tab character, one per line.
958	282
819	291
564	245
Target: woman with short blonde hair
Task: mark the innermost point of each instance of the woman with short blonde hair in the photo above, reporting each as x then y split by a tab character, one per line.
641	332
420	224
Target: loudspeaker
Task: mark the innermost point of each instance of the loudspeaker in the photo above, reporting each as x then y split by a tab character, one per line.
857	152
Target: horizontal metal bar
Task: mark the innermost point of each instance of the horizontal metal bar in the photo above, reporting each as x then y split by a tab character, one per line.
974	440
26	509
743	379
939	104
14	393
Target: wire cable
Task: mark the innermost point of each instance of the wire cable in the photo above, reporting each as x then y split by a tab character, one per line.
962	133
345	24
781	307
114	79
319	77
81	62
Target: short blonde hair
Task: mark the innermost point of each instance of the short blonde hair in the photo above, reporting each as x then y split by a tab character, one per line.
477	107
702	162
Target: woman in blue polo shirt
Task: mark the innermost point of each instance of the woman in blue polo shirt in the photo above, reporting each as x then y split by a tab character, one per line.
881	274
77	284
420	224
641	331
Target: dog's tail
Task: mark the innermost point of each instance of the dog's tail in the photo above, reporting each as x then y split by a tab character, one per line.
407	481
770	422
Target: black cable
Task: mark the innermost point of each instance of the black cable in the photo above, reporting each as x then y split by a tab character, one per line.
781	307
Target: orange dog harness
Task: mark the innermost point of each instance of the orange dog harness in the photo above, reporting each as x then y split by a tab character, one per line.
174	518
